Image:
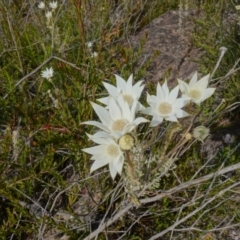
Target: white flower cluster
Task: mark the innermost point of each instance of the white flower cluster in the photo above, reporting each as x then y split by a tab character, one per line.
92	53
53	5
118	118
49	13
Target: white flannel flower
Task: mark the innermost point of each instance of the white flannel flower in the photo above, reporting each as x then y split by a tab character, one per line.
48	15
48	73
41	5
53	5
197	91
108	152
130	93
165	105
118	120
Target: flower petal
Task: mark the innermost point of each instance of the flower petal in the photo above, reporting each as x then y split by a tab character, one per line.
119	164
148	111
139	107
183	86
113	170
94	150
129	127
171	118
99	163
207	93
125	109
186	97
165	90
152	99
102	140
137	90
99	156
112	90
97	124
193	80
156	120
129	87
160	93
100	134
104	100
102	113
202	83
121	83
181	102
133	111
140	120
181	113
114	110
173	95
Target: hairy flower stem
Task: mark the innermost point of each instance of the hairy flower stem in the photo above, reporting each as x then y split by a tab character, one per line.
133	180
222	51
130	164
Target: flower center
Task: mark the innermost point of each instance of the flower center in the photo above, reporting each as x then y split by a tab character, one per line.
194	94
119	125
165	108
129	99
113	151
126	142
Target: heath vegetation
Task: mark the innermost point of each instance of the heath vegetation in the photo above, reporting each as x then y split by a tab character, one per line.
91	150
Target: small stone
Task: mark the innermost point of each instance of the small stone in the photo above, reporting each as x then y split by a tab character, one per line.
228	138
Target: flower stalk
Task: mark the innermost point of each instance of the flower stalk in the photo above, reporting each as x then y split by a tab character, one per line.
130	164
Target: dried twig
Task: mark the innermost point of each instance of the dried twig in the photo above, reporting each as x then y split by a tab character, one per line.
194	212
158	197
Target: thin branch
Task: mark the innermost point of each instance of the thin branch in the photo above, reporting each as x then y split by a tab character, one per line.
162	195
194	212
109	222
210	230
191	183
